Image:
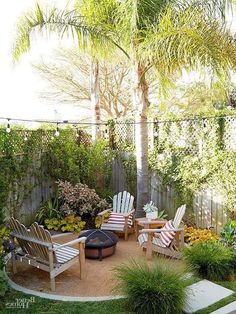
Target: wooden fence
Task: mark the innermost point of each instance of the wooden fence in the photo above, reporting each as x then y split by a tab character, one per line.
26	197
207	204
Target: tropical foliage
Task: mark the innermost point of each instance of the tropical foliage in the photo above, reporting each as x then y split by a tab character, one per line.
48	210
228	234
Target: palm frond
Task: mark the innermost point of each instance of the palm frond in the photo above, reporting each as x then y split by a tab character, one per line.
188	39
91	36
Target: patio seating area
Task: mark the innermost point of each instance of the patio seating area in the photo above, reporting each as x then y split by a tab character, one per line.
98	280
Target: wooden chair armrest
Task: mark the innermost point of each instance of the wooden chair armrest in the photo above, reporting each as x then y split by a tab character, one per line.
128	214
82	239
104	212
159	230
60	235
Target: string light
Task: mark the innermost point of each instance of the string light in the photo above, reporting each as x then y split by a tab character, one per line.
26	137
8	129
155	134
57	133
106	133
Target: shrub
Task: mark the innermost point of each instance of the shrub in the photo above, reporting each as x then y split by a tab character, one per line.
69	223
4	242
194	235
98	219
228	234
48	210
211	260
151	289
79	199
3	284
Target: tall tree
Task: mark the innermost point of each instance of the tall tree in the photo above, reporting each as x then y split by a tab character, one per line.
165	35
68	78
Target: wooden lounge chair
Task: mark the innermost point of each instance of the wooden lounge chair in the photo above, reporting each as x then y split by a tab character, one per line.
168	240
121	218
38	249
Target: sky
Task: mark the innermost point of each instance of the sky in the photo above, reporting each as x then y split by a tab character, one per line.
19	83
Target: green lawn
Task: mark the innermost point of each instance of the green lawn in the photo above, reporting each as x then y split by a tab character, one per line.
110	307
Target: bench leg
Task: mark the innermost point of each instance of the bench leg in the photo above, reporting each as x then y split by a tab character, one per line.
13	260
81	259
52	283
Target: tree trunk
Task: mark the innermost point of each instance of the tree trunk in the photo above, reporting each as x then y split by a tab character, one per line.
95	107
140	103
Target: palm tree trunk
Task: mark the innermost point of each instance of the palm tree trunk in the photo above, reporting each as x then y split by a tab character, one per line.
140	102
95	107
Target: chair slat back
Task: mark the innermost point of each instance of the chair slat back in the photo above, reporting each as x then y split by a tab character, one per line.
21	230
179	216
123	202
39	233
36	240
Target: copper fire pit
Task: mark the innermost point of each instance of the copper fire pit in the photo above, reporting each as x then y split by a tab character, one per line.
99	243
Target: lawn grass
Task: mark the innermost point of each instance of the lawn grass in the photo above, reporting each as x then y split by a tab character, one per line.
44	306
61	307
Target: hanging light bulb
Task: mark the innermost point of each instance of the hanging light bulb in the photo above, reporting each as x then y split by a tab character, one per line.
57	133
26	137
8	129
155	134
106	133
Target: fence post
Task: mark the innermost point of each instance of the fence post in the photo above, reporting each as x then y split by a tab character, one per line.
111	128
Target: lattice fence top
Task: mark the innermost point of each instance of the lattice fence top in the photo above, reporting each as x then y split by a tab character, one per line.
189	135
16	141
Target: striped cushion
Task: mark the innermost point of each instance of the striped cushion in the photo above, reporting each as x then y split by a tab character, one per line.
167	237
115	218
143	237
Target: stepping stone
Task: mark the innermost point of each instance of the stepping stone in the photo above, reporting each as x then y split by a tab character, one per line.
203	294
227	309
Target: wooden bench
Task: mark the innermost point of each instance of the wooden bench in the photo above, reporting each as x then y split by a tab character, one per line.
37	249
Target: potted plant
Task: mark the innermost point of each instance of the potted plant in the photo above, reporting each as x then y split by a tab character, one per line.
151	210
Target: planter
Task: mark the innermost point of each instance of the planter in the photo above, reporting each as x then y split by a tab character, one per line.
152	215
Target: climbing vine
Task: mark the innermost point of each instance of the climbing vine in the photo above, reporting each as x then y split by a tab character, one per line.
20	156
199	162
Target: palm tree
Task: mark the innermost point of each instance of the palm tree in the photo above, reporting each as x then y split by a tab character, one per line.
163	35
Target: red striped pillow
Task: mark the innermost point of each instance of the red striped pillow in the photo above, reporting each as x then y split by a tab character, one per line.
167	237
116	218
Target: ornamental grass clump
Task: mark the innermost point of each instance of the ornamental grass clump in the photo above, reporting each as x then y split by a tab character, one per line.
211	260
151	289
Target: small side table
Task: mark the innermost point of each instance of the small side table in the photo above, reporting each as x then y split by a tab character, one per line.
148	224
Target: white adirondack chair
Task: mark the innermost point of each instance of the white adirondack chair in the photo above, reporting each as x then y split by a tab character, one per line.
150	238
37	249
121	218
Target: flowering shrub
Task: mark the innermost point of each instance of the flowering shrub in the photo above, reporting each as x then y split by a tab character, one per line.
193	235
79	199
69	223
